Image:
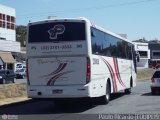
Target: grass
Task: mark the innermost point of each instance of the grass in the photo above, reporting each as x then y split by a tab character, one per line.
145	74
12	91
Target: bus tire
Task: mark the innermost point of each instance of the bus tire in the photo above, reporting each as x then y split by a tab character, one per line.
128	90
106	98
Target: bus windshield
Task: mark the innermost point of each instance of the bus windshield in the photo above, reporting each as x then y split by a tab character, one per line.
57	32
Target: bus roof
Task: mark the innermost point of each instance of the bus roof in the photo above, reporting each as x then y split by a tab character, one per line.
59	20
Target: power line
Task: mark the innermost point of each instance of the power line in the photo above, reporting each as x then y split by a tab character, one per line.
86	9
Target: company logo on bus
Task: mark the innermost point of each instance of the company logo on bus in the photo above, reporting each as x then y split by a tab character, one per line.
55	31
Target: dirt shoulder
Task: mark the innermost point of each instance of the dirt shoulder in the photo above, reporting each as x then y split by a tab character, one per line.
12	93
8	101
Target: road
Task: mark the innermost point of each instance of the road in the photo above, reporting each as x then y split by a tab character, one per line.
140	101
20	80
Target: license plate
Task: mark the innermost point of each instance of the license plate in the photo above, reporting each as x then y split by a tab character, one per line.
57	91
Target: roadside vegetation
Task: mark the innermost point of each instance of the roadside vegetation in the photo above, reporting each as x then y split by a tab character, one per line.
145	74
12	91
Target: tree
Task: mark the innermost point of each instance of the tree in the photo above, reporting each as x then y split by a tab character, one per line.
21	35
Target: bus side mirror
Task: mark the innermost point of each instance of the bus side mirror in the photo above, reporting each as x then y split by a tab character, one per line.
137	56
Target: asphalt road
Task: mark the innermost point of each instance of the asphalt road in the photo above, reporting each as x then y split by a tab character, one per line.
140	101
20	80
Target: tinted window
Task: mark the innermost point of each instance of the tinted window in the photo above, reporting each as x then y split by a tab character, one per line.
108	45
143	53
97	42
19	66
156	74
156	53
2	72
57	32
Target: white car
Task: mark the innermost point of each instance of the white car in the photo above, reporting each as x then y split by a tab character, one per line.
21	73
155	82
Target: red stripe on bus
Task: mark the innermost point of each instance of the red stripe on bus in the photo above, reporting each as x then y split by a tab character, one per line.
116	71
59	69
112	72
54	78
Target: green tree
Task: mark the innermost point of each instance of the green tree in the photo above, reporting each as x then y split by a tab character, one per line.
21	35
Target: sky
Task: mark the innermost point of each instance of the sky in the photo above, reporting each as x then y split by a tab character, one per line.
136	18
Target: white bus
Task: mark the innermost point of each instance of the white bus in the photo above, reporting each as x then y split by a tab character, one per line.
73	58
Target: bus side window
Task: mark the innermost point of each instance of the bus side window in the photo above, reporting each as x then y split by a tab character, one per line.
93	34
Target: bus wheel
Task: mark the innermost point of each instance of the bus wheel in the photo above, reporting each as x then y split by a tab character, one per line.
127	91
105	99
